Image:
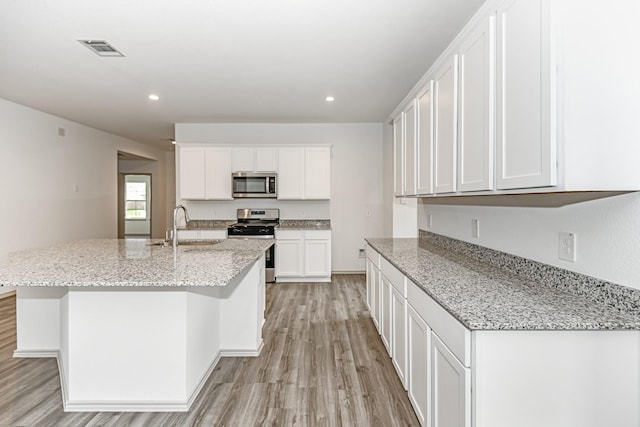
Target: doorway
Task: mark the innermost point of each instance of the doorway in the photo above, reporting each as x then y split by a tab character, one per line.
134	205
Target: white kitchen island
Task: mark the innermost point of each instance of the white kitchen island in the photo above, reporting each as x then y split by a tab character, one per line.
136	326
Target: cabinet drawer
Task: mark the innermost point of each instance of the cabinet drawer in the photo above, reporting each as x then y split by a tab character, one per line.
394	275
289	234
452	333
317	234
373	256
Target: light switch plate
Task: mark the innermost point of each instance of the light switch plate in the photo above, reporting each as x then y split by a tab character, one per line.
567	246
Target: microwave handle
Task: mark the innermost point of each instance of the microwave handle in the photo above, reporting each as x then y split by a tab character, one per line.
267	179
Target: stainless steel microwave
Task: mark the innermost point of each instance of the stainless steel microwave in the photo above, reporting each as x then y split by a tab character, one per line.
255	185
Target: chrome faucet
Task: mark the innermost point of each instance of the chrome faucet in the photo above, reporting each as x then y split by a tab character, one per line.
175	223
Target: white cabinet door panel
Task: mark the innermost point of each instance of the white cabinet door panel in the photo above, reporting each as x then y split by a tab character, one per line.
419	364
445	140
399	334
317	173
526	147
410	150
398	155
242	159
289	258
385	312
266	159
450	388
424	143
476	109
317	257
218	174
291	173
191	170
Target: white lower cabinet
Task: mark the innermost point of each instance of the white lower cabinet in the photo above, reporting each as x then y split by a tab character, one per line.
303	255
450	388
399	334
204	234
523	378
418	364
385	312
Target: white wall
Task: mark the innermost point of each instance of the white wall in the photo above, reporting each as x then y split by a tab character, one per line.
356	179
40	172
608	232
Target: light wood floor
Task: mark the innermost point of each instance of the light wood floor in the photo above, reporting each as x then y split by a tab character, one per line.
323	364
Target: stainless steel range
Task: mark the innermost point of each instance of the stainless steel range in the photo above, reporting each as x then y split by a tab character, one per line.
258	224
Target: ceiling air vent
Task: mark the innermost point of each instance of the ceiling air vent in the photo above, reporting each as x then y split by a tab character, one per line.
101	47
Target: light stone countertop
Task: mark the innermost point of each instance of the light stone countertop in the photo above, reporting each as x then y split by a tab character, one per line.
484	297
304	224
131	262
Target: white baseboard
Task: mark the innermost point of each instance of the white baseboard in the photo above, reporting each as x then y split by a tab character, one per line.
35	353
243	352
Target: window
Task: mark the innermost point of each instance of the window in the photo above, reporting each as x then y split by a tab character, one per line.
135	200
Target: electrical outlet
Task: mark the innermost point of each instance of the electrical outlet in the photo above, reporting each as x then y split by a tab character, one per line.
475	228
361	253
567	246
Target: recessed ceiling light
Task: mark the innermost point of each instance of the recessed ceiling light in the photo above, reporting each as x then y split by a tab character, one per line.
154	97
329	99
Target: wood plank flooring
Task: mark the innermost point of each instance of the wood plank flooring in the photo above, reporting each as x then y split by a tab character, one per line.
323	364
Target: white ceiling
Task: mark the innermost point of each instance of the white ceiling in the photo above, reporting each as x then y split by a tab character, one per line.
213	61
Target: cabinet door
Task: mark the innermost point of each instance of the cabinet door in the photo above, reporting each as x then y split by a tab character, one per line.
410	150
526	146
398	155
418	364
385	312
399	334
218	174
476	109
445	132
242	159
191	168
375	297
450	388
424	143
291	173
317	257
289	258
369	287
266	159
317	173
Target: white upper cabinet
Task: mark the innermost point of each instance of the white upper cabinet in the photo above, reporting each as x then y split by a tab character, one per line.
254	159
266	159
398	155
204	173
446	120
526	144
291	173
410	143
191	171
476	138
424	140
242	159
304	173
317	173
516	104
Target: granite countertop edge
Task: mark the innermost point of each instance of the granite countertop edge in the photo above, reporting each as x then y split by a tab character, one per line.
103	263
541	307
